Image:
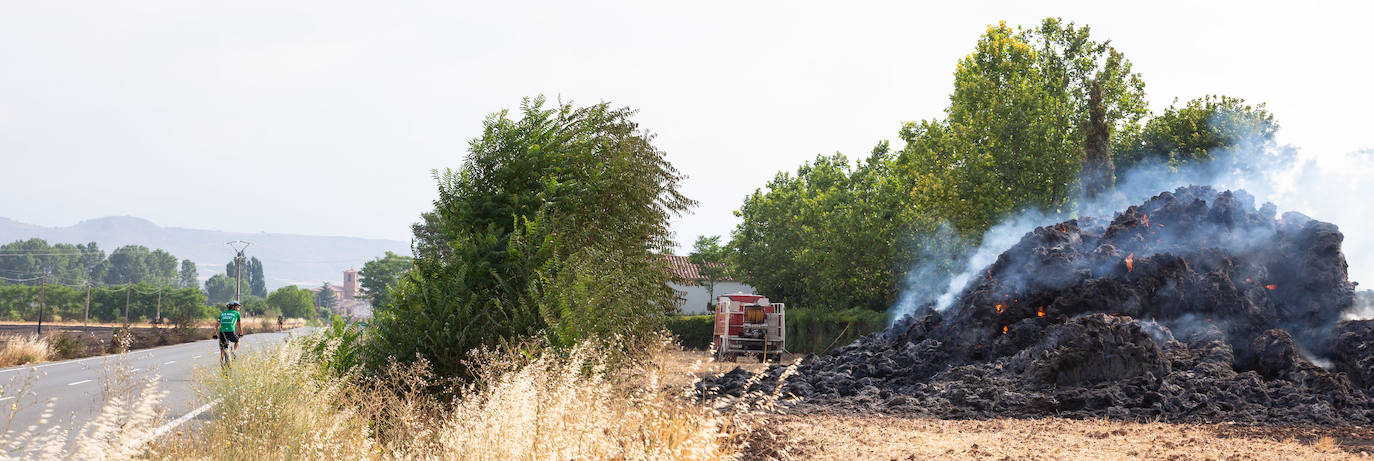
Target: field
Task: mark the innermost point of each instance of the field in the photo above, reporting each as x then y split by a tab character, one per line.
820	434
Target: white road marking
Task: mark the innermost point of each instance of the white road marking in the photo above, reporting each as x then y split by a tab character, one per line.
84	381
169	362
163	429
6	398
195	356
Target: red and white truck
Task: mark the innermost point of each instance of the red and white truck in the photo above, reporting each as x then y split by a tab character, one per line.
747	324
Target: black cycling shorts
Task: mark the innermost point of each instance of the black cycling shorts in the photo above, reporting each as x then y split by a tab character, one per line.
226	336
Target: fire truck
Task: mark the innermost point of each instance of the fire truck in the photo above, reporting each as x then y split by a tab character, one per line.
749	325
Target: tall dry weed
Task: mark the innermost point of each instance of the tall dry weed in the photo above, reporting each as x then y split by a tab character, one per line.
535	404
543	405
273	404
23	349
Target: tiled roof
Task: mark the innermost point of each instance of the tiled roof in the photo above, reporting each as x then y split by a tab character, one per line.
684	269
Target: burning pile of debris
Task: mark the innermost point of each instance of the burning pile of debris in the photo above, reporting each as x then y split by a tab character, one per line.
1194	306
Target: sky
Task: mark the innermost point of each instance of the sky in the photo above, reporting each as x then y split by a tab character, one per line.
329	117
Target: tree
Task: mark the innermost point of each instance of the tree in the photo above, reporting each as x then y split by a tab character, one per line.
826	238
138	264
1198	131
61	261
1015	129
257	285
293	302
551	227
219	289
326	298
189	278
380	275
710	257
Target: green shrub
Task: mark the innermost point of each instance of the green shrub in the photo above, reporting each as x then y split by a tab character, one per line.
692	331
812	330
62	346
337	347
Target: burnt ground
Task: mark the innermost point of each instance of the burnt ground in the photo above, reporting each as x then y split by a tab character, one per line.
1193	307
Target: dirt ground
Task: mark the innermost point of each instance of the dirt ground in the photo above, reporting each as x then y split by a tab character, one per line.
822	435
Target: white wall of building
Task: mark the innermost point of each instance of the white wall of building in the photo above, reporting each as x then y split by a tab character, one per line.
694	297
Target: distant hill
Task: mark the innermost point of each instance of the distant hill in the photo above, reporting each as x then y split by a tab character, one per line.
286	258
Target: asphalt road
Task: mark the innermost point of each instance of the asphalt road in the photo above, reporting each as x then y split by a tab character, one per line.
70	393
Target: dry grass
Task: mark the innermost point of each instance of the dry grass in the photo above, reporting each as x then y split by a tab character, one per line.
273	405
537	405
23	349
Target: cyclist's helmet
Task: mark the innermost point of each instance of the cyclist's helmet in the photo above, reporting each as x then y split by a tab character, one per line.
232	305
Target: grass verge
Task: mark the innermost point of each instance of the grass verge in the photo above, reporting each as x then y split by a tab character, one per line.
536	403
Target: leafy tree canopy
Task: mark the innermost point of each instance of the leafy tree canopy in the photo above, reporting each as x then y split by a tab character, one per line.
1199	130
380	275
551	226
293	301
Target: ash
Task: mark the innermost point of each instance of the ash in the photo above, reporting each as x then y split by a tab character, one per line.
1191	307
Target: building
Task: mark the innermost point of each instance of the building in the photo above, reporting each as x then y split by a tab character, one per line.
350	285
693	295
350	302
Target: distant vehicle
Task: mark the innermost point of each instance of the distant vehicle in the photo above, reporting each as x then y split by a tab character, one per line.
747	324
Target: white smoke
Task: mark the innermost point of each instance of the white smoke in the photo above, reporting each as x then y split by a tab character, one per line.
1331	188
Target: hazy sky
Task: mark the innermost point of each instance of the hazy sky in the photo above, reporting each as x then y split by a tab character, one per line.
327	117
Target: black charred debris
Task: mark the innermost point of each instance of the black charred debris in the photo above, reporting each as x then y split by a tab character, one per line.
1192	307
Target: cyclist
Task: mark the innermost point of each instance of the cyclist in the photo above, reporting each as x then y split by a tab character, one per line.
228	325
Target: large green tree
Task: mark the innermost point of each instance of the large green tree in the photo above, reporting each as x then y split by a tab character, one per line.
69	263
551	226
219	289
138	264
293	301
826	238
1198	131
1015	130
380	275
188	276
257	284
326	297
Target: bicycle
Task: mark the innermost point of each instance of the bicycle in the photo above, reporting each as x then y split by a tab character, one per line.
226	356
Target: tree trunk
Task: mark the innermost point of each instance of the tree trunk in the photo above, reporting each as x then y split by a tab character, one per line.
1099	174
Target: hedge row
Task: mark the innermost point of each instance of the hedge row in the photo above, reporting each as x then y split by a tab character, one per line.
693	331
811	331
808	331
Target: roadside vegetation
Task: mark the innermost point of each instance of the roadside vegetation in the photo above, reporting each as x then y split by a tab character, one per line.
528	323
532	403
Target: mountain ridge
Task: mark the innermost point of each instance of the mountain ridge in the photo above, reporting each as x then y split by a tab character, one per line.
288	259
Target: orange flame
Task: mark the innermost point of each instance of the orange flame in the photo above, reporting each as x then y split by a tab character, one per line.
1247	280
1004	329
1130	262
1271	287
1146	218
999	308
1040	311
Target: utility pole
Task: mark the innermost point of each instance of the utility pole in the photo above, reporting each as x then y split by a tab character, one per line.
127	286
42	287
238	246
86	319
158	320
